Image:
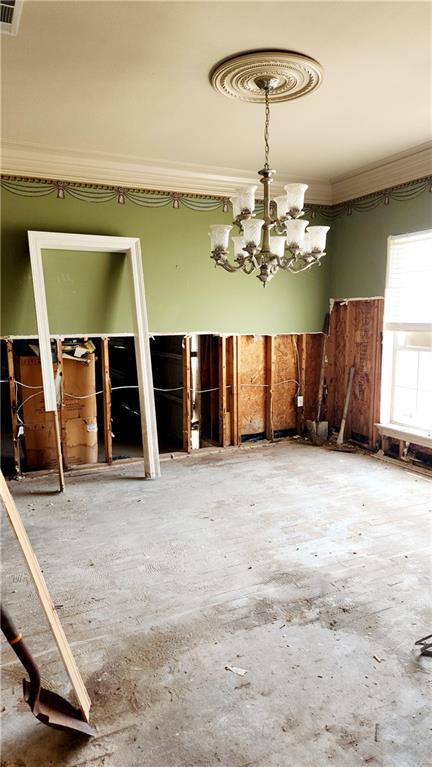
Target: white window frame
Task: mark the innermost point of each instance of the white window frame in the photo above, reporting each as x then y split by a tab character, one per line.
130	248
387	425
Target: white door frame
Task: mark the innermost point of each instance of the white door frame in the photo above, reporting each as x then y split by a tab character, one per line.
131	248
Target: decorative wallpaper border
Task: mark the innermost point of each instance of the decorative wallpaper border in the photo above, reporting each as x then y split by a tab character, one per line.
99	193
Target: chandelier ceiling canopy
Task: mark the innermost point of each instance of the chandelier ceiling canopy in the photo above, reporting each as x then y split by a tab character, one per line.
293	245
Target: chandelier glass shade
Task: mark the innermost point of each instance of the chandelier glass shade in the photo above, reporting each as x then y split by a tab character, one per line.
282	239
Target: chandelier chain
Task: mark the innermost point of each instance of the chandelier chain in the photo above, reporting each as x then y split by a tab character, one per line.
266	128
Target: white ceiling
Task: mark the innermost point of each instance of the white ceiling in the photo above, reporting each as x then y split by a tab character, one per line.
131	79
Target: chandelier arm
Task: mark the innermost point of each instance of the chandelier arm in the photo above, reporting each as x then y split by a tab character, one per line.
230	267
249	267
291	266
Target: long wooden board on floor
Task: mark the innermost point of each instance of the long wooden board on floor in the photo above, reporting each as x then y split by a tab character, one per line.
45	598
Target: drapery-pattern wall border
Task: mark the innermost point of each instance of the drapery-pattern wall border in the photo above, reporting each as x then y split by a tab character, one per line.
99	193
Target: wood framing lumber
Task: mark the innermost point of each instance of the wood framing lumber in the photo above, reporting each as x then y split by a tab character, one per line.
340	438
45	598
59	451
234	392
61	408
269	382
13	406
106	394
223	436
301	351
187	399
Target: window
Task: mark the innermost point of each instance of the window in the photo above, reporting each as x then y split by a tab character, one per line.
406	394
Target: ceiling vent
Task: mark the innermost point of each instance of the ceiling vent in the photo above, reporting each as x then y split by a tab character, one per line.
10	12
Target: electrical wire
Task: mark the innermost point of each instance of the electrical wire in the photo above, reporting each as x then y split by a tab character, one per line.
157	389
299	376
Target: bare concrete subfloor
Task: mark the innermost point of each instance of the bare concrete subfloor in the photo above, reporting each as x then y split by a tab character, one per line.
309	569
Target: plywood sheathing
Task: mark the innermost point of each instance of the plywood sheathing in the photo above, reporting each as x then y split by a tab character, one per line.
252	380
284	384
39	435
355	340
80	410
312	349
250	384
79	421
337	366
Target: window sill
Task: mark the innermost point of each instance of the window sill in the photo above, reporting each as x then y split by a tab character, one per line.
408	435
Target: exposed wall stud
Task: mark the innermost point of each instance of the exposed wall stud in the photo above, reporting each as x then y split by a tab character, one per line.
223	435
234	392
376	374
302	382
106	394
61	408
187	401
59	450
269	382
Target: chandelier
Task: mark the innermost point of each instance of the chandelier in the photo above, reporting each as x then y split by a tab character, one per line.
281	239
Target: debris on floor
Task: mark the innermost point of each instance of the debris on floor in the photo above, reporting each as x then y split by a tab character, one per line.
426	646
236	670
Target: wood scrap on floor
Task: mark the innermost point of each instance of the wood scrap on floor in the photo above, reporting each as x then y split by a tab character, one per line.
45	598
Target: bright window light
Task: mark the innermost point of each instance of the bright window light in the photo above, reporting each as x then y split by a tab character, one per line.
406	391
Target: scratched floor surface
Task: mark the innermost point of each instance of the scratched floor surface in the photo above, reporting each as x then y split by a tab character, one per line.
306	568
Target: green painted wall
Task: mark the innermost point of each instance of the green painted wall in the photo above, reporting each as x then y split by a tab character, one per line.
88	293
359	244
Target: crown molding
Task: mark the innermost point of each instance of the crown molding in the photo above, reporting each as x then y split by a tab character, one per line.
123	170
397	169
118	170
